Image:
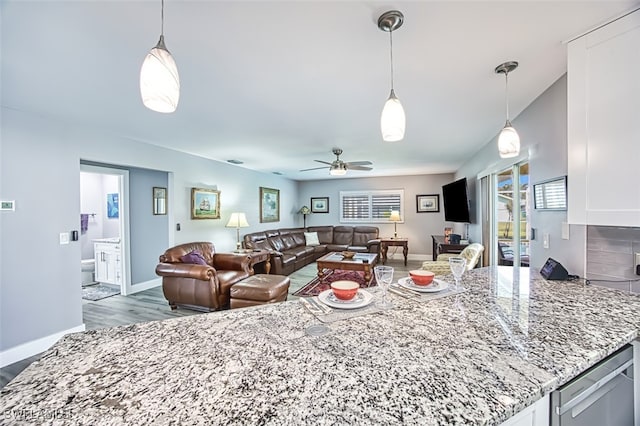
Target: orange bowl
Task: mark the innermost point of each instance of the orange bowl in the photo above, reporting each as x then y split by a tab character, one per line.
348	254
421	277
345	290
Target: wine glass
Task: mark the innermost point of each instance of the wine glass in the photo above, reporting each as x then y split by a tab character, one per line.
384	276
458	266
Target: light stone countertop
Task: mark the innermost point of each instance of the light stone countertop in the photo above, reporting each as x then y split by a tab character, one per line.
474	358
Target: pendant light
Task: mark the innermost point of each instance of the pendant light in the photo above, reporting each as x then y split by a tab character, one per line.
508	140
392	121
159	79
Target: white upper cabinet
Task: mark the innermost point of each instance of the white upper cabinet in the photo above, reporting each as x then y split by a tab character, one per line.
604	125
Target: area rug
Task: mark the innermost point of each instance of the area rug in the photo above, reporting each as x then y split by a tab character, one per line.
317	286
99	291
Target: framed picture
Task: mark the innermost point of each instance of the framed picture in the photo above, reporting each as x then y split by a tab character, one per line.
205	203
269	205
320	205
113	206
428	203
159	200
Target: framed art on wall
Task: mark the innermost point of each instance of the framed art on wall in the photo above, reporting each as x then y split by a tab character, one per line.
205	203
428	203
319	204
269	205
113	206
159	200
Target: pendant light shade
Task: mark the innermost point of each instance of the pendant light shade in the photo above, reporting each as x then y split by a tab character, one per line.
159	79
508	140
392	120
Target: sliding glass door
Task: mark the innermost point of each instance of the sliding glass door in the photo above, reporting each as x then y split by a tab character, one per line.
511	212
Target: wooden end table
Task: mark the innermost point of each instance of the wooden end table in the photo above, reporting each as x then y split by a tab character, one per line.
385	243
361	262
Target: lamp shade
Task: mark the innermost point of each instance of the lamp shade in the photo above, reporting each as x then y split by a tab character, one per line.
392	121
159	80
305	210
237	220
395	216
508	141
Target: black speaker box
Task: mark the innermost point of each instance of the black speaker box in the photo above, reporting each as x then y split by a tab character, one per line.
455	238
553	270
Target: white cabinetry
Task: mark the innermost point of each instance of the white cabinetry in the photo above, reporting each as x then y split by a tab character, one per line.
604	125
537	414
108	262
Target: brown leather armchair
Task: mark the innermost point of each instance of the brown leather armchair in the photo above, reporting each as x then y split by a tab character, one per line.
201	287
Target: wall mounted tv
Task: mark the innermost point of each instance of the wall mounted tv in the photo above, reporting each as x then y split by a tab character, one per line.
456	201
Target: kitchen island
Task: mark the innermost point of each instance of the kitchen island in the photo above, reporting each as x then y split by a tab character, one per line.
477	358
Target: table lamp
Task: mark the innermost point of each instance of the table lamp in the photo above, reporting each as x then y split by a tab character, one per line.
238	220
395	218
304	211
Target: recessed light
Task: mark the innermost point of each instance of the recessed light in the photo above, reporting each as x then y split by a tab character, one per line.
235	161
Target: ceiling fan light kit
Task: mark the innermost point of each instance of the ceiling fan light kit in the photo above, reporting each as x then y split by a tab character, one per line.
339	167
508	140
392	120
159	79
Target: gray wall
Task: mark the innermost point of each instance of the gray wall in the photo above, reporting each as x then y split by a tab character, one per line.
149	234
610	256
543	134
418	227
40	169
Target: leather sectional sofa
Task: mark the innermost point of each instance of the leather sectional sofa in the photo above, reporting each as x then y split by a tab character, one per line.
290	252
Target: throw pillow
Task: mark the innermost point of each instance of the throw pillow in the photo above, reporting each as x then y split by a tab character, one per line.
194	257
312	238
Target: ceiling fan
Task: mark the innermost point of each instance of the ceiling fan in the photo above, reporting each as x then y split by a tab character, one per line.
339	167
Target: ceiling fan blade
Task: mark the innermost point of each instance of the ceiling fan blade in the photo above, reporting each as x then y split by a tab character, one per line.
352	167
314	168
359	163
323	162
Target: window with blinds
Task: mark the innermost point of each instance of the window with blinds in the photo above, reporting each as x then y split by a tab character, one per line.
370	206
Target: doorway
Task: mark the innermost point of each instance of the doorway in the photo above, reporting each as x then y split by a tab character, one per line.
104	231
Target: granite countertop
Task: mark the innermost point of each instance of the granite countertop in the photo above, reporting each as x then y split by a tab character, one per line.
476	358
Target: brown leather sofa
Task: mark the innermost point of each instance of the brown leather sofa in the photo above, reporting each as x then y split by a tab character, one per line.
201	287
289	251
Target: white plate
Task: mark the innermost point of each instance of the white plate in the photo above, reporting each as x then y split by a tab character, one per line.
363	298
437	285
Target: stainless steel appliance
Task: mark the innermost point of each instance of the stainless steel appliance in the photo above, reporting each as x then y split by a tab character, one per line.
601	396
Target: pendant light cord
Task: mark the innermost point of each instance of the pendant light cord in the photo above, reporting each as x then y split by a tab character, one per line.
390	54
162	19
506	92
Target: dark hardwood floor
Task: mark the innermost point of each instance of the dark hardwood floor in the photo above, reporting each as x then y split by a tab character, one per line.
150	305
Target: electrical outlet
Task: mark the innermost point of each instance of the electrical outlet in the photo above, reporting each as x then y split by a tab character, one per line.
636	264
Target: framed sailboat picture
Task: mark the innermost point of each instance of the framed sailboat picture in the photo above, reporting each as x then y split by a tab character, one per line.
205	203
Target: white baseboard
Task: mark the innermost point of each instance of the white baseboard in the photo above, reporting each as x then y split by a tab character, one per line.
26	350
145	285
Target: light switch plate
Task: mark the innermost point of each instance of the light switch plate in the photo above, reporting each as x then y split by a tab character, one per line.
565	231
545	240
64	238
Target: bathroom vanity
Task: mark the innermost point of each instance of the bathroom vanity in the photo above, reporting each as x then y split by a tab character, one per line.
108	255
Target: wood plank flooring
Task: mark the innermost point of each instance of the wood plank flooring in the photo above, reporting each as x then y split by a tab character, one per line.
150	305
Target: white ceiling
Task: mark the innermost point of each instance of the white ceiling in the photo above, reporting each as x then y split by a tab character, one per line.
277	84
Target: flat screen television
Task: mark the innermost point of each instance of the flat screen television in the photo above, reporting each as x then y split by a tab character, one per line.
456	201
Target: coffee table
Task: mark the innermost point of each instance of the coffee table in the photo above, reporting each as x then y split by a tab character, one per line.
361	262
